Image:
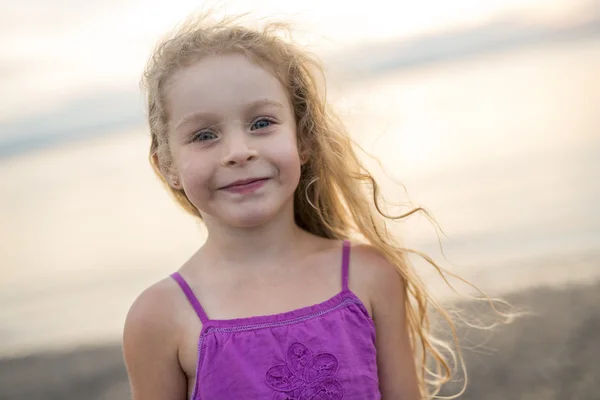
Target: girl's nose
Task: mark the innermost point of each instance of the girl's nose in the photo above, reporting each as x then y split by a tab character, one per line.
238	149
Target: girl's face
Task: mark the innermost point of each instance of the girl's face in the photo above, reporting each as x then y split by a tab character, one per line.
233	141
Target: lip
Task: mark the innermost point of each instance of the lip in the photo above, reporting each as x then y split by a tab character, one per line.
245	185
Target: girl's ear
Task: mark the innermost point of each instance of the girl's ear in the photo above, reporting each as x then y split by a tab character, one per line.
169	175
304	157
175	183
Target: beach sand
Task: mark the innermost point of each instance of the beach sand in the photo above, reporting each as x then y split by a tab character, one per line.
552	354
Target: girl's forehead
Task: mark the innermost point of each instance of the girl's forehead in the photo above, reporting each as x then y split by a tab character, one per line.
225	76
218	71
222	84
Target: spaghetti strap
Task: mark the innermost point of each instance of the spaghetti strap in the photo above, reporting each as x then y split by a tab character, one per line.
345	264
187	290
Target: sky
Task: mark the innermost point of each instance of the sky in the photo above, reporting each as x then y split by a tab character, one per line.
62	52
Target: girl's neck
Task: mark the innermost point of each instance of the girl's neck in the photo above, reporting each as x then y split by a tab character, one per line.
265	244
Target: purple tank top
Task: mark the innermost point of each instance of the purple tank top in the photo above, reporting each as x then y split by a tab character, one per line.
321	352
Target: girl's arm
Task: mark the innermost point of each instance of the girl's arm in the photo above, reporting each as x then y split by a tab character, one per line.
395	357
150	349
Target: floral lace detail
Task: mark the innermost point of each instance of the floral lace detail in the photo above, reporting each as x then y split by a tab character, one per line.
305	377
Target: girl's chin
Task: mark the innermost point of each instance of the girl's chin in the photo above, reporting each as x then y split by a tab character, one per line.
246	217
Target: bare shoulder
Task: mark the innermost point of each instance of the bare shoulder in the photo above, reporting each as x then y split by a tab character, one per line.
384	289
376	280
150	343
367	260
154	308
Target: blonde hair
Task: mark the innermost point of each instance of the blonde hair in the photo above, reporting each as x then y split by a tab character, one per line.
337	197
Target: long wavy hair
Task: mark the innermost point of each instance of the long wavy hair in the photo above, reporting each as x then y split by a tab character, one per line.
337	197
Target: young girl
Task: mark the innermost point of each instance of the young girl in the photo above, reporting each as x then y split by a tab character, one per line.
277	303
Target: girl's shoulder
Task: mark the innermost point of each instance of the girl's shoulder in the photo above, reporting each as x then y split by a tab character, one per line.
373	278
156	316
370	264
156	306
151	341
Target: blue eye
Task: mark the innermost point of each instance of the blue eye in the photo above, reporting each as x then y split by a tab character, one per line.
204	135
261	124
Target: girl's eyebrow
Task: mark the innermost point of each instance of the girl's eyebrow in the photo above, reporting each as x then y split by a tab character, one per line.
195	116
263	103
251	107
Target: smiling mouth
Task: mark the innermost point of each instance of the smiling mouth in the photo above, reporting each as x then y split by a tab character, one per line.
245	183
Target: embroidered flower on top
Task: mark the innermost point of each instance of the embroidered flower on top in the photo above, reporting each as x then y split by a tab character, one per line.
304	376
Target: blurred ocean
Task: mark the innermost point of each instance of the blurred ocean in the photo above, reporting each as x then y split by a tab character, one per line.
503	148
